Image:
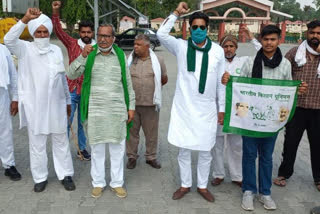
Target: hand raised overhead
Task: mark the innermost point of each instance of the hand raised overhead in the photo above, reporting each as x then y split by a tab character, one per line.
182	8
32	13
56	5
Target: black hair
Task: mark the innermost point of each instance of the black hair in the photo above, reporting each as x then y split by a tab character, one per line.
270	29
313	24
199	15
86	23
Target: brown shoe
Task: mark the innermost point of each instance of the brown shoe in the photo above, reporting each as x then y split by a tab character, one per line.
131	163
154	163
180	193
239	183
217	181
206	194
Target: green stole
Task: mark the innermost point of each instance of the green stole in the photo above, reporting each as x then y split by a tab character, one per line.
86	85
191	60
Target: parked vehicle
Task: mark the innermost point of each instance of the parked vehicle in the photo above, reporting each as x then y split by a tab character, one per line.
126	39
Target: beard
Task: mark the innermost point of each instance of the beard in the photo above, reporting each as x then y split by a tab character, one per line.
313	42
86	40
229	55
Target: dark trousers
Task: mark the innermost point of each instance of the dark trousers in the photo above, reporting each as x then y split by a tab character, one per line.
303	119
263	148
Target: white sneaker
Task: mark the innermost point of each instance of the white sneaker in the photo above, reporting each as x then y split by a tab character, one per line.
247	201
268	203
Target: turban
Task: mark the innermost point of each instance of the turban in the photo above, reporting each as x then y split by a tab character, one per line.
41	20
229	38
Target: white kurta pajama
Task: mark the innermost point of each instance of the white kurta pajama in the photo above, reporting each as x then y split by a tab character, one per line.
194	116
233	142
8	81
107	115
43	98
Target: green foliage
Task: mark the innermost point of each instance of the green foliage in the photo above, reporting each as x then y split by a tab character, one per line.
294	8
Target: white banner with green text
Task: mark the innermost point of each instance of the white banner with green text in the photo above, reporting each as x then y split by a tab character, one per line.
259	107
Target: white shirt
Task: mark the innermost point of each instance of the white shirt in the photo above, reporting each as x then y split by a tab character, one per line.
42	86
193	121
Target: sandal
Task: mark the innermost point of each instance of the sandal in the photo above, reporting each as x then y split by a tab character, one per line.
280	181
317	185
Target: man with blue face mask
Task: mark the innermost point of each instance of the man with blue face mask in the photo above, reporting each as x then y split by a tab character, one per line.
43	97
194	112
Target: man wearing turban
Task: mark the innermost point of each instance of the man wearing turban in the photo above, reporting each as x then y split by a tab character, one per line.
233	142
43	98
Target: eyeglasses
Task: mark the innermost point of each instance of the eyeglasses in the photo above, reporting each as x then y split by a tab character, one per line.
195	27
104	36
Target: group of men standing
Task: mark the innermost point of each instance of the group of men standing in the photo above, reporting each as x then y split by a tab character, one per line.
98	85
199	100
115	97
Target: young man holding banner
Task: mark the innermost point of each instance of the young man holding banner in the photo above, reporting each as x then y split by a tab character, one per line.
267	64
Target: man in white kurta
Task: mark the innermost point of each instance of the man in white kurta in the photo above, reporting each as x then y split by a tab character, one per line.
232	142
194	115
8	82
43	97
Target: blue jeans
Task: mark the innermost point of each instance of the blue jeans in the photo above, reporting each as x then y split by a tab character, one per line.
75	102
251	148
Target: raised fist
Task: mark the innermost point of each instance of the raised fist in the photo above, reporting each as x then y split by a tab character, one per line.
182	8
87	50
32	13
56	5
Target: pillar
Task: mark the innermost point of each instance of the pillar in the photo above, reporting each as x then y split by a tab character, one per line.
184	29
283	31
222	26
262	25
242	38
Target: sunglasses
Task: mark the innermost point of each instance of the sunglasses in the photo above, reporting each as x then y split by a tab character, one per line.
195	27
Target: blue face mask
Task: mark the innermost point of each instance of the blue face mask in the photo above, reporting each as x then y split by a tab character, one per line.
198	35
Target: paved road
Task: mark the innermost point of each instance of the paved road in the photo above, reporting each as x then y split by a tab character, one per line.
149	190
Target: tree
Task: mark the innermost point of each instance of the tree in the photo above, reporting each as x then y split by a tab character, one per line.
71	12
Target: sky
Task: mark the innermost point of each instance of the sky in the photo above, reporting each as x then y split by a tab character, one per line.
305	2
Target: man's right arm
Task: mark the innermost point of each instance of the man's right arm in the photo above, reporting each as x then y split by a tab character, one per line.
168	41
77	67
62	36
290	56
11	39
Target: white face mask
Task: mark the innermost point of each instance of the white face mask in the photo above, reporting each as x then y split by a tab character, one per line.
108	48
43	44
105	49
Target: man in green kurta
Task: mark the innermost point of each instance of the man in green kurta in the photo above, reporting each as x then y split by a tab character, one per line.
107	106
